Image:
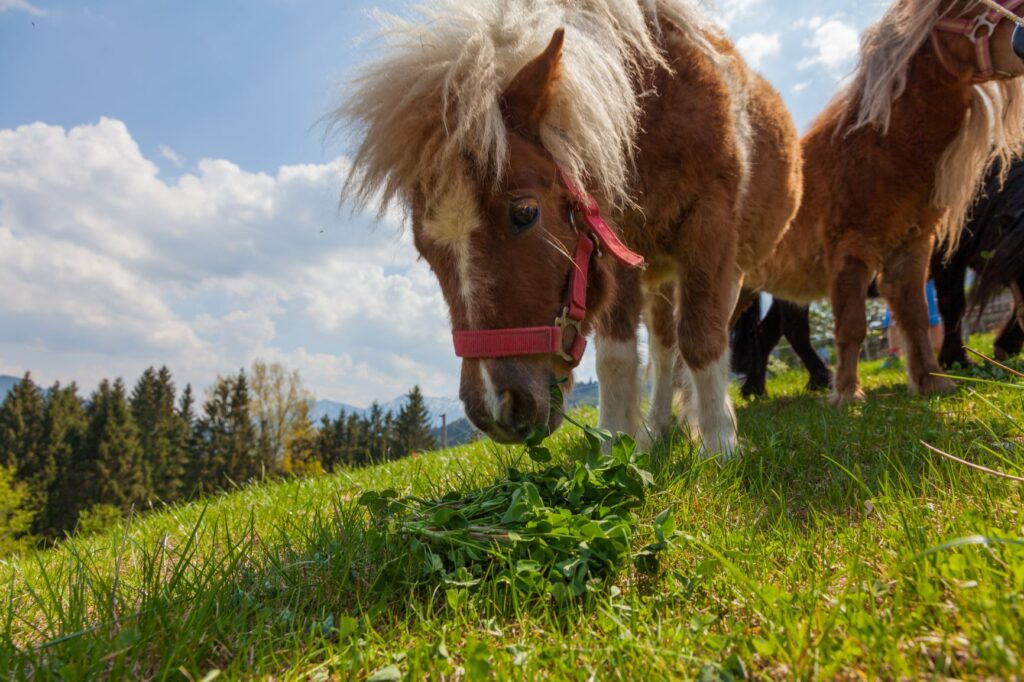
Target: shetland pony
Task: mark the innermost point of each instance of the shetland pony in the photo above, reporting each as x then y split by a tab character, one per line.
491	121
992	244
892	165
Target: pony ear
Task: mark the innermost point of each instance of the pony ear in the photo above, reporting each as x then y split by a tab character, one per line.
528	97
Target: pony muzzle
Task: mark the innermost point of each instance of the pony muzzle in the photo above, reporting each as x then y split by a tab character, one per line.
509	398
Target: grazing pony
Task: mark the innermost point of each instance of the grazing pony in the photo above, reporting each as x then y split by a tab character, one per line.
992	244
512	130
891	167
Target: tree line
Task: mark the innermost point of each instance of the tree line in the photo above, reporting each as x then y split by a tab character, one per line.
68	463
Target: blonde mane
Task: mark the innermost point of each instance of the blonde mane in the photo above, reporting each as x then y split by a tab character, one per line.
430	102
993	128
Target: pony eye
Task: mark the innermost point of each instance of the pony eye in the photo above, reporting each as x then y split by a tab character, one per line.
524	215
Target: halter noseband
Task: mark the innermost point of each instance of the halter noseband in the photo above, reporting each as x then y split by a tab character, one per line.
979	31
595	237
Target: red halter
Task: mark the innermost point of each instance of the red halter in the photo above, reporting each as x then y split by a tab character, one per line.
978	30
500	343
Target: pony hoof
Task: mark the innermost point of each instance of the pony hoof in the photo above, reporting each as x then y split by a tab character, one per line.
725	448
818	383
645	440
848	397
1000	354
933	384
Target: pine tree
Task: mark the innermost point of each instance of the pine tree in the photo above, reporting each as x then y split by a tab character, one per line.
332	441
112	445
190	443
374	433
213	444
246	461
229	439
160	433
15	517
355	449
64	428
21	425
412	427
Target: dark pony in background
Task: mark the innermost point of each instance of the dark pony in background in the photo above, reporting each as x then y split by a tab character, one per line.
992	244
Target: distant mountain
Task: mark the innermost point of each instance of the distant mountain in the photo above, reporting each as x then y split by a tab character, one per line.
452	407
6	384
331	409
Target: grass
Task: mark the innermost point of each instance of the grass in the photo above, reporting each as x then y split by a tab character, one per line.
838	547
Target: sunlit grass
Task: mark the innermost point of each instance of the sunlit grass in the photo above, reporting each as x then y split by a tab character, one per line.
827	551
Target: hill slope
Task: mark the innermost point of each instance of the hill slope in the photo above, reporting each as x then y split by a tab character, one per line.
828	551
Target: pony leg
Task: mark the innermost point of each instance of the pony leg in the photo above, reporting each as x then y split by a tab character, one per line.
618	360
849	292
661	334
1011	338
704	346
949	289
904	277
769	333
796	326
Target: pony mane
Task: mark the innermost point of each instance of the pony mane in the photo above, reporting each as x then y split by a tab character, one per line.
993	128
430	103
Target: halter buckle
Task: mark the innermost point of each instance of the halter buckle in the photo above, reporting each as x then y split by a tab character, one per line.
564	322
981	22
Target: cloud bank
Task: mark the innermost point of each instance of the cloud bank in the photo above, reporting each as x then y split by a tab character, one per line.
107	268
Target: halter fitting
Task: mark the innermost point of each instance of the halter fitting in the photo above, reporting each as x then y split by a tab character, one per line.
565	337
979	31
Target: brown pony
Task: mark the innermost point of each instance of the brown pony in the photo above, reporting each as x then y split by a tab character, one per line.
891	166
480	121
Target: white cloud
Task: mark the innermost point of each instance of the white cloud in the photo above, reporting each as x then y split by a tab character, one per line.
108	268
171	156
756	46
21	6
727	12
835	43
800	87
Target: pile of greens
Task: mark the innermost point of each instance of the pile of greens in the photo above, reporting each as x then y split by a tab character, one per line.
562	531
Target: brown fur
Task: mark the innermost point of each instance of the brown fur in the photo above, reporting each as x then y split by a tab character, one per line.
868	209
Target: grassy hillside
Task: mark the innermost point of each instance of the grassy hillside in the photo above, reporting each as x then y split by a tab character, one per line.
839	546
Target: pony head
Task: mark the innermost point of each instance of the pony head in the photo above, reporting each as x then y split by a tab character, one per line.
503	254
975	39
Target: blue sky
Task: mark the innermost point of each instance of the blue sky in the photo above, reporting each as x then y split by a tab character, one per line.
166	195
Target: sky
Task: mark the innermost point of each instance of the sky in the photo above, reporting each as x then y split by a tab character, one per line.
167	195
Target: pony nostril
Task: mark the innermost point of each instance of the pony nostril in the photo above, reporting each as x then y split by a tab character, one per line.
516	412
506	408
1018	41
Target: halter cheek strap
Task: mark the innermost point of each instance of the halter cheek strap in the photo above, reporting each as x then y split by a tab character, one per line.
979	31
565	337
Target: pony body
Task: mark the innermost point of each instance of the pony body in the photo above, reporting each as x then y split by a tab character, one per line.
890	168
468	119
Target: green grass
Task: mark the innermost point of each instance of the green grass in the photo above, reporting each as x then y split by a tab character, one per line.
828	551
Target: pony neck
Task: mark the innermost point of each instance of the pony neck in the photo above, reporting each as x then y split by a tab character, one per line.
932	109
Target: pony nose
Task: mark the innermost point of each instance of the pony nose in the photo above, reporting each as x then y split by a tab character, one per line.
516	413
1018	41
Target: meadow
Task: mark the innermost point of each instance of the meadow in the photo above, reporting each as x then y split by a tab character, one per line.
838	547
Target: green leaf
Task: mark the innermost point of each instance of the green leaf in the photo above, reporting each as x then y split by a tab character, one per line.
386	674
664	526
539	454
